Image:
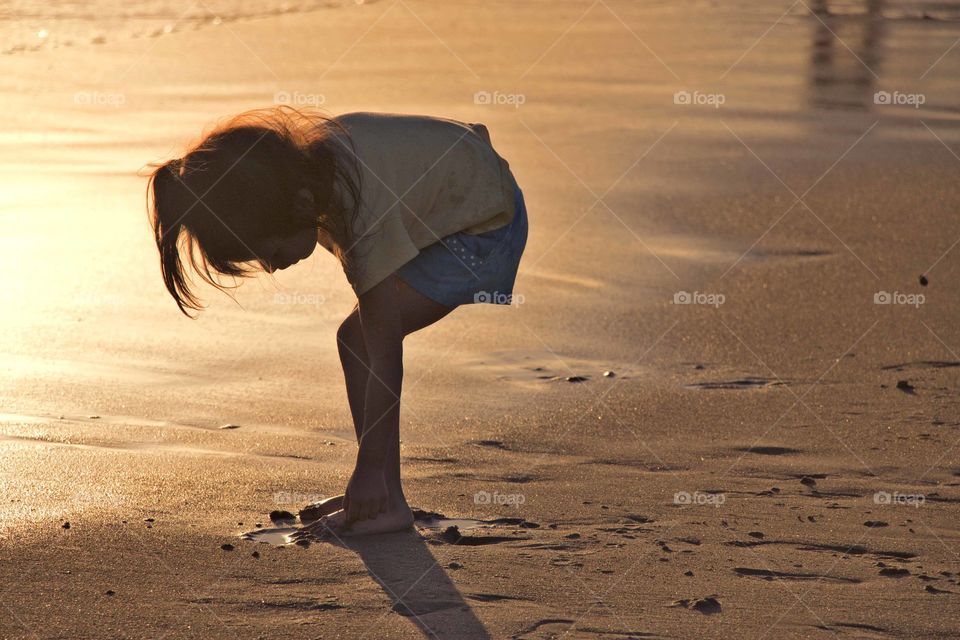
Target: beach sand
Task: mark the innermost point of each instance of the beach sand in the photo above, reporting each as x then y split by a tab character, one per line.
777	458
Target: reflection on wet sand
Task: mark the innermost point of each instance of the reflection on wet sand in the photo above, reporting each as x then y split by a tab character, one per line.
845	56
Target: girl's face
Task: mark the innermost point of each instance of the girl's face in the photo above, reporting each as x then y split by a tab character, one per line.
279	252
276	253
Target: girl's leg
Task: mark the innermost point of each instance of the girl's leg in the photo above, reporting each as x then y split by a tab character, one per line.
353	359
356	369
417	312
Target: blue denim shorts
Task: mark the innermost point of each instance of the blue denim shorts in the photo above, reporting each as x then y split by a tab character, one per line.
465	268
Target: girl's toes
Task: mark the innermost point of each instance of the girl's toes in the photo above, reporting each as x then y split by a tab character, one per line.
329	525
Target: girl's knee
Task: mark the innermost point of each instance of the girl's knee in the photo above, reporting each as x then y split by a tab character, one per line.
350	335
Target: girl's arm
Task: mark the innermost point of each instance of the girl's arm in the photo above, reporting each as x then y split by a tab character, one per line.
382	327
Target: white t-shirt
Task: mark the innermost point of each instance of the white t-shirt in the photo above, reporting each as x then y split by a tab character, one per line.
421	178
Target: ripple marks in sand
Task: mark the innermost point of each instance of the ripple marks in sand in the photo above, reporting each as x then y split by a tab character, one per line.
736	385
767	574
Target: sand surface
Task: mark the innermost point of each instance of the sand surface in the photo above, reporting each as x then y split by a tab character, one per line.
779	461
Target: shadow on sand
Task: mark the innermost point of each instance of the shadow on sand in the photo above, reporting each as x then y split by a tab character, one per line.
418	587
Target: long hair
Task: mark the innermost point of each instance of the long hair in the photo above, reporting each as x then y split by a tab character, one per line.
238	183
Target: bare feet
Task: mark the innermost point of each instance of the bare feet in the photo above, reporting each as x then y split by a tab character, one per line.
396	518
317	510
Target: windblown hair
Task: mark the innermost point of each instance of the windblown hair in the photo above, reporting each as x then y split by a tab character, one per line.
238	183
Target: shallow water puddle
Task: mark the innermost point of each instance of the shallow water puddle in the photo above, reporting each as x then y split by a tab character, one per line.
441	522
281	535
271	535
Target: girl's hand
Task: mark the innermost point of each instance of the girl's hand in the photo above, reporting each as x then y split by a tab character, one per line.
366	495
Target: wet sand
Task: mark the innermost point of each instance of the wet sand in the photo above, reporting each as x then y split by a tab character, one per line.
776	459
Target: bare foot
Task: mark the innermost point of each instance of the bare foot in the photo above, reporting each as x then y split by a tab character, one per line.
396	518
317	510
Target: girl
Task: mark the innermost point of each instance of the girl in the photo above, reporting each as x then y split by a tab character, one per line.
421	212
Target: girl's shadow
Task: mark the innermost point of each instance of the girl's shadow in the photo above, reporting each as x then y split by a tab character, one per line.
416	584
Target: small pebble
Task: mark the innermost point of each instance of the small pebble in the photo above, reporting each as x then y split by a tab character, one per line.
923	281
66	525
255	554
576	379
807	480
875	523
609	374
227	547
755	534
572	536
707	606
454	565
110	592
688	573
230	426
279	516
